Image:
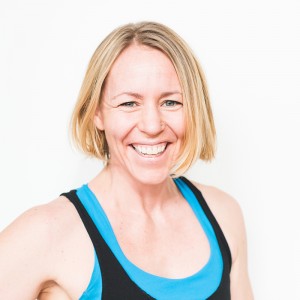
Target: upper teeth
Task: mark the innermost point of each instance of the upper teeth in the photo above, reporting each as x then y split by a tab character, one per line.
150	150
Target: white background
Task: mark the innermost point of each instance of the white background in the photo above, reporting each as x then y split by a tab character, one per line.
250	53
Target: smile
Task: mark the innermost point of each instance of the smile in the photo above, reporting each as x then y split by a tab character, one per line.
150	149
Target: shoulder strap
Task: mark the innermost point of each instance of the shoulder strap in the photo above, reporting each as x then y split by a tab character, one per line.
116	284
223	291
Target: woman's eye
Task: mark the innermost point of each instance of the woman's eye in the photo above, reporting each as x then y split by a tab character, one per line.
171	103
129	104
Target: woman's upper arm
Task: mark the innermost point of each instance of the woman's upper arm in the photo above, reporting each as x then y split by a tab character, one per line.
230	218
25	255
240	283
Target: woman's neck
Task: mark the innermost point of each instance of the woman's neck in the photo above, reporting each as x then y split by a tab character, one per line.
124	191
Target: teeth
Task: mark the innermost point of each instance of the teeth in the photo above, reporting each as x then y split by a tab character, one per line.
150	150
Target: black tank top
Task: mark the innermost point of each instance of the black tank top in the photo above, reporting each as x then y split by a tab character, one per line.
117	285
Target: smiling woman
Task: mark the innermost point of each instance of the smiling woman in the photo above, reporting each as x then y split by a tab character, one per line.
143	134
199	141
144	230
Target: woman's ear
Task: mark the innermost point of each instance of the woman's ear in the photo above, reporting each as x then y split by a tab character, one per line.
98	119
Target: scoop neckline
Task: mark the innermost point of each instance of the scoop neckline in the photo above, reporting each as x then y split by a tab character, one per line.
128	264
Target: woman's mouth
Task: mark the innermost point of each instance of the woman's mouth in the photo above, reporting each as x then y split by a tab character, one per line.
149	149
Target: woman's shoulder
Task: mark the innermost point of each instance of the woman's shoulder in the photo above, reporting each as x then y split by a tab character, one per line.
43	244
26	249
42	220
228	214
38	229
217	199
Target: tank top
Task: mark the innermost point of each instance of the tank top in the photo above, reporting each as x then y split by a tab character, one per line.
114	277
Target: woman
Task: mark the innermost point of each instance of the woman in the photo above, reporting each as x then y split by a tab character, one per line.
136	231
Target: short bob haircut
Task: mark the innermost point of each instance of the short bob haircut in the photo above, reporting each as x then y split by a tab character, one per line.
200	136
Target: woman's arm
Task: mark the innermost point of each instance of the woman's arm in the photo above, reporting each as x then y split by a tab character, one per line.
230	218
41	254
240	283
25	255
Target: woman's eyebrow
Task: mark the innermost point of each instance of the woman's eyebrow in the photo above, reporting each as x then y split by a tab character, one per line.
132	94
166	94
139	96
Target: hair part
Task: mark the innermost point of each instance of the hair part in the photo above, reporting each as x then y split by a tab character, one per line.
200	135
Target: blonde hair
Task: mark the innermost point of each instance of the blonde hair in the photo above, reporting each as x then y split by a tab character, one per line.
199	140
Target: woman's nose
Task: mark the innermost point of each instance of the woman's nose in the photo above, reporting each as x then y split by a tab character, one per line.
151	121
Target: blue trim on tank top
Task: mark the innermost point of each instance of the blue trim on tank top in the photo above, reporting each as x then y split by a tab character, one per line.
94	289
200	285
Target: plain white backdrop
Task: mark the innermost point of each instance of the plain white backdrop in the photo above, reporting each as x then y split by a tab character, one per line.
249	51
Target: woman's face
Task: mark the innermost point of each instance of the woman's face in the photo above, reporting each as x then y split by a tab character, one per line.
141	113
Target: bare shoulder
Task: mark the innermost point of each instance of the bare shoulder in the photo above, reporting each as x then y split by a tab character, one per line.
29	248
220	202
39	221
228	214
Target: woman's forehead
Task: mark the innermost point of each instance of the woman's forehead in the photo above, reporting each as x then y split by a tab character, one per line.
142	67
